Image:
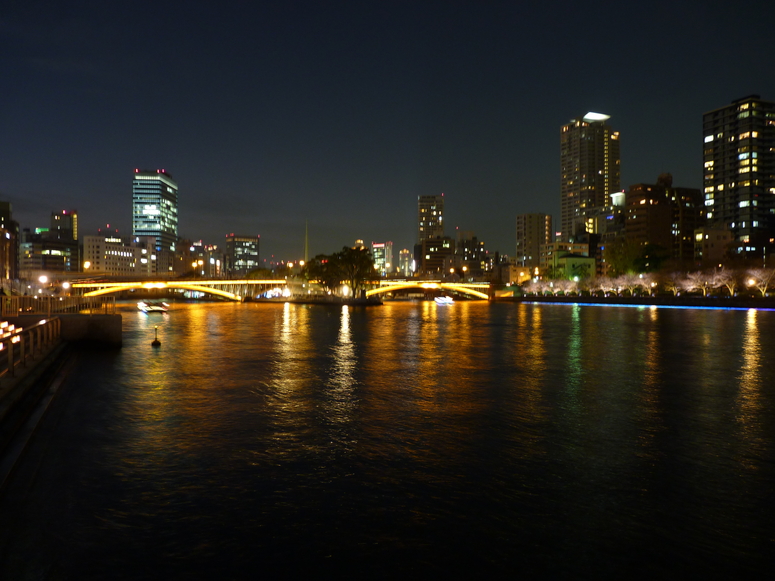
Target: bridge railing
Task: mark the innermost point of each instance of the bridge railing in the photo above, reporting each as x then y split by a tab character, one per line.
19	346
15	306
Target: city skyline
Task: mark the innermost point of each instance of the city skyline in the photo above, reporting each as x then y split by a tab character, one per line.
341	116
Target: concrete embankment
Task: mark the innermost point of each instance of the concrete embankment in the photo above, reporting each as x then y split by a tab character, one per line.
25	394
21	395
99	329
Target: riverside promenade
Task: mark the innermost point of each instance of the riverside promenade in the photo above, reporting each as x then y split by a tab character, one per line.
35	340
688	301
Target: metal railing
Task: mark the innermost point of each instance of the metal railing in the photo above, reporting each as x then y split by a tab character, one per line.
15	306
19	346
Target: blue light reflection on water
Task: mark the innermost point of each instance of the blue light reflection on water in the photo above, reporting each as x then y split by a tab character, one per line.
512	438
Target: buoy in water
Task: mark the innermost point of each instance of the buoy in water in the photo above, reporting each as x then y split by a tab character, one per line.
156	342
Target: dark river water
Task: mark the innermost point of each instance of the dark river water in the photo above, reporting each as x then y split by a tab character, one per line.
405	441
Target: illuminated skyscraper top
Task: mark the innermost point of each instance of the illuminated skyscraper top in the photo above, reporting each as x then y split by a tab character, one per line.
155	207
590	173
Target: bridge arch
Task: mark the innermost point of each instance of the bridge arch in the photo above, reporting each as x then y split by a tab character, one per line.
472	289
209	287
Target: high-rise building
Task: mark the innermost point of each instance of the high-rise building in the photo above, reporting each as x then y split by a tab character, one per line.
405	262
662	215
382	254
533	230
739	173
590	173
64	225
241	255
471	256
155	208
430	217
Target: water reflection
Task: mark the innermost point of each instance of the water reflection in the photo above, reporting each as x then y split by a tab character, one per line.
574	358
341	382
562	437
749	405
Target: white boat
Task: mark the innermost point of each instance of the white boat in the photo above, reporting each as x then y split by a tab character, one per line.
444	300
153	306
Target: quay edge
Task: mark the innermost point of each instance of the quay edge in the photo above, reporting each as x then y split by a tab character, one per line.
104	330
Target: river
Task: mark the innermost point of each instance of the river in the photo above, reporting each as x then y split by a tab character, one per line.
406	440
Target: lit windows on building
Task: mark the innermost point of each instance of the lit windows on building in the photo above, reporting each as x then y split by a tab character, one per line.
155	207
738	168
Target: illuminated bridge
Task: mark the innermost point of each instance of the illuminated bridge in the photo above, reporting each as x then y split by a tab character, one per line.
235	290
238	290
479	290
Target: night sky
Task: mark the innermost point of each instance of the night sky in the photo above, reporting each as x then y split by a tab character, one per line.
270	114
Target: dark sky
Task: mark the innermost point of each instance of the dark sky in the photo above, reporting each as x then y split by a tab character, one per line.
270	114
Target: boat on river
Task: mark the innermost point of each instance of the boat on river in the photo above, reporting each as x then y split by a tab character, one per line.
153	307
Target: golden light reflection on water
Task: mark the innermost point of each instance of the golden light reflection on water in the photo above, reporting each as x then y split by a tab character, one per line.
425	365
652	383
386	371
749	406
529	356
290	373
341	382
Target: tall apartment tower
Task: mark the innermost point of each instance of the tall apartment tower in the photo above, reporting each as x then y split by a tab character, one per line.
590	173
533	231
739	173
155	207
430	217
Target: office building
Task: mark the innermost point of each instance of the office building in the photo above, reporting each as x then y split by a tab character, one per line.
64	225
241	254
739	173
41	252
109	254
437	256
155	208
471	257
590	172
382	255
533	230
405	262
430	217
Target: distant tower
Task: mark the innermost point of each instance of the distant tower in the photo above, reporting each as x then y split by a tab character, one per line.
430	217
739	173
590	173
155	207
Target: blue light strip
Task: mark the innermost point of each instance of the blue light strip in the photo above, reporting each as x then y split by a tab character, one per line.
648	306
